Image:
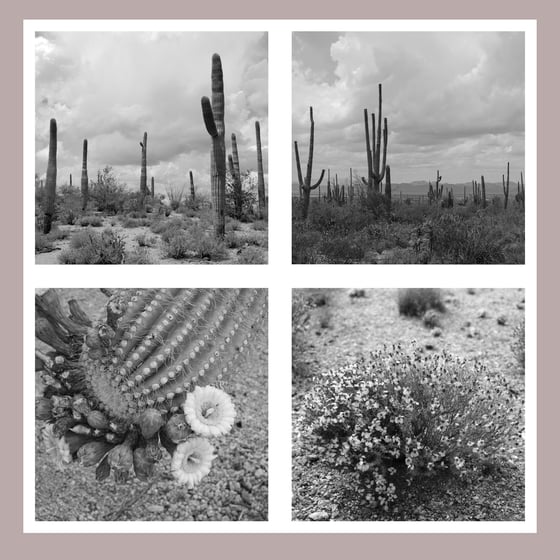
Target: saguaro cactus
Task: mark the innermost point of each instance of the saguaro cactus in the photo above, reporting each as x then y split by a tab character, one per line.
153	188
213	114
375	161
388	193
305	184
236	177
505	185
260	172
520	197
84	182
143	173
116	390
483	191
192	186
50	185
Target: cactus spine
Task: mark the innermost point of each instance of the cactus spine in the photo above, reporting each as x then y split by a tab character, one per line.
213	114
122	381
375	161
143	174
305	184
192	186
260	172
505	185
50	186
84	182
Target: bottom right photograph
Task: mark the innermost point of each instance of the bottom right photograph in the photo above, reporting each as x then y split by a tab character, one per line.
408	404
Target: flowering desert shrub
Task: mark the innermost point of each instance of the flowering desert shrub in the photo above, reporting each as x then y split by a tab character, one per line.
414	302
401	415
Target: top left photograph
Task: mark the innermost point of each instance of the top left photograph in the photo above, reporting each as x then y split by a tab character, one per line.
151	147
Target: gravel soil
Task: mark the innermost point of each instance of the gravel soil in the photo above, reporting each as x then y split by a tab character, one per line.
344	328
236	488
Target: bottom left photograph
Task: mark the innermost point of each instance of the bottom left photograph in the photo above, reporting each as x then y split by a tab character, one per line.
151	405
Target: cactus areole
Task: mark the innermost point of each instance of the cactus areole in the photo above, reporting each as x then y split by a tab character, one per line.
50	186
144	376
213	115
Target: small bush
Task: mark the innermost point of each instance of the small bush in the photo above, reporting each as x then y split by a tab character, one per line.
431	319
252	255
177	244
93	221
414	302
140	255
518	345
207	247
145	240
401	416
90	247
260	225
43	244
233	225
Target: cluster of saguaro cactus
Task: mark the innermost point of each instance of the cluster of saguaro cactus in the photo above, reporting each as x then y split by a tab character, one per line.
376	155
520	196
305	185
479	192
84	180
143	377
213	114
50	186
235	171
260	172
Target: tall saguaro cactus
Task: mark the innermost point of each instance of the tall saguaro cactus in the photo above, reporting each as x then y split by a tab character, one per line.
305	184
388	194
236	177
376	158
50	186
260	172
505	185
153	188
192	186
84	180
143	173
213	114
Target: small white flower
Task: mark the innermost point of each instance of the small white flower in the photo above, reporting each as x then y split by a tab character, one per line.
192	461
209	411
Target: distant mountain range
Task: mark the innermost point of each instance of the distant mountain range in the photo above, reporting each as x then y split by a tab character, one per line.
417	188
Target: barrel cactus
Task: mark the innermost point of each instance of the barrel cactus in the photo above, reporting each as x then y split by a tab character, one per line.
149	376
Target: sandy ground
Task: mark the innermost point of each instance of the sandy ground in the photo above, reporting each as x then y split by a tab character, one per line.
129	235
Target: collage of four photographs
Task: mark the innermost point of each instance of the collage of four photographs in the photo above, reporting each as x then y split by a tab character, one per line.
152	403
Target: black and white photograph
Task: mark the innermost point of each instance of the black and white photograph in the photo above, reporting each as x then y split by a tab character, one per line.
151	147
151	405
408	404
408	147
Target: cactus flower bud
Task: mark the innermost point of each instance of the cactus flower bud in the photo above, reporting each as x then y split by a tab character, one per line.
120	459
177	428
80	405
43	408
143	464
96	419
150	421
92	452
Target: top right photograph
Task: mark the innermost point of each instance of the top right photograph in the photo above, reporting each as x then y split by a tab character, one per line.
408	148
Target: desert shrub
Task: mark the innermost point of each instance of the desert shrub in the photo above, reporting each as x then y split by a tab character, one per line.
166	227
233	225
43	243
251	238
90	247
518	345
252	255
260	225
140	255
414	302
343	250
305	246
400	416
431	319
69	217
145	240
93	221
206	246
231	240
176	244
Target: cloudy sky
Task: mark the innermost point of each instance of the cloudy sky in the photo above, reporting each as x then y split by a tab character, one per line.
111	87
454	102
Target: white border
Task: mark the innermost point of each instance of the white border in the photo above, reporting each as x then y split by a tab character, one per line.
280	277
